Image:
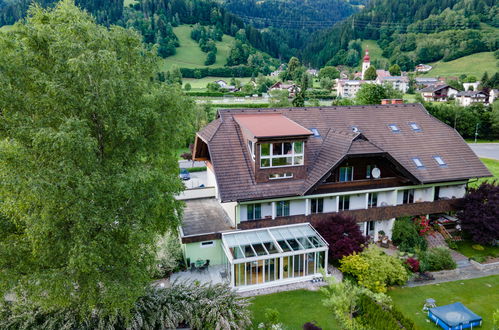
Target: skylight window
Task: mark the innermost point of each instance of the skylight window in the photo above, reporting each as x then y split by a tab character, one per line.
316	132
418	162
415	127
394	128
440	161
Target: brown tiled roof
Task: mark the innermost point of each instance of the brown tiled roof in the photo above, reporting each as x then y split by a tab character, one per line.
232	163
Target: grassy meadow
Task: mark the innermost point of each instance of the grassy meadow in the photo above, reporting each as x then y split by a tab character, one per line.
189	55
472	65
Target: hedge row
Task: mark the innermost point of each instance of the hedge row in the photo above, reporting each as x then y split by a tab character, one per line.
219	94
234	71
377	317
245	105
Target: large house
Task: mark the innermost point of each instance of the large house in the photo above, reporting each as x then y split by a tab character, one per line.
425	82
467	98
438	93
346	88
292	89
400	83
275	172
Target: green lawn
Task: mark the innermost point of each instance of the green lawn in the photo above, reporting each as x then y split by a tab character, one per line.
411	98
189	55
6	28
295	307
127	3
481	141
493	166
181	151
465	248
474	65
476	294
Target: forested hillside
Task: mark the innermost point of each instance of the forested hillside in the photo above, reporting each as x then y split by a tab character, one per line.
412	31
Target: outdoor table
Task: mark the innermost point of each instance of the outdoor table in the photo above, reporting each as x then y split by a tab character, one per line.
199	263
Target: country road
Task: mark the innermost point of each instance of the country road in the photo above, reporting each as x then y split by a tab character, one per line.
486	150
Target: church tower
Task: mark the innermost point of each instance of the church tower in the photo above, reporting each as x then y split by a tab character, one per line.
366	64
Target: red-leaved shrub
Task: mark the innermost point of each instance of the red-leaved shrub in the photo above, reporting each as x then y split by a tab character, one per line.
342	234
412	264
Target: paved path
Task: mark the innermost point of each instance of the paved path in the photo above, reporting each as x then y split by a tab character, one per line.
188	163
486	150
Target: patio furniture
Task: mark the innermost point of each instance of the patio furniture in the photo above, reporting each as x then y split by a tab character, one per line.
224	275
454	316
429	303
193	266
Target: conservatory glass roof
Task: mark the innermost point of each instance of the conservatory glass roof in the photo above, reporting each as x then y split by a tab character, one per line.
272	241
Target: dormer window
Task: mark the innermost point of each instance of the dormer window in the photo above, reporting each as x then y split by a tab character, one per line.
281	154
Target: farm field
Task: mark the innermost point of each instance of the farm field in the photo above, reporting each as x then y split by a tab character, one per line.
200	84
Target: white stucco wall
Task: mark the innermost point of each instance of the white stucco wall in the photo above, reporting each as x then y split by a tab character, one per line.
400	197
330	204
297	207
386	197
423	195
357	202
230	209
455	191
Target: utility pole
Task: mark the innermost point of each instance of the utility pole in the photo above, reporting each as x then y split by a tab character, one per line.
476	131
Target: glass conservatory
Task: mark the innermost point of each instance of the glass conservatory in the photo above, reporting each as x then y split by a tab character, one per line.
264	257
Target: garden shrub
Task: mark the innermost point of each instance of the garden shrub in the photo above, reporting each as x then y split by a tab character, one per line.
412	264
437	258
311	326
479	213
342	234
405	235
168	255
198	306
376	316
374	269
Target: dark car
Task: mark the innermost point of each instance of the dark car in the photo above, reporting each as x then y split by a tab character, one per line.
184	174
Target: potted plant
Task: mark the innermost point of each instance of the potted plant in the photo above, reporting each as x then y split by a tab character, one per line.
383	239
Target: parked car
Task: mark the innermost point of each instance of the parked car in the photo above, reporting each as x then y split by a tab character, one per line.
184	174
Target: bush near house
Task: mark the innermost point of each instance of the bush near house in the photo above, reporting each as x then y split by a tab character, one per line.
342	234
197	306
405	235
374	270
377	316
479	215
437	258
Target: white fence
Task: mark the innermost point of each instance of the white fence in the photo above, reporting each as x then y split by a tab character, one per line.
205	192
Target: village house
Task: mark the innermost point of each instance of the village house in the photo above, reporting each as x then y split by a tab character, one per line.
423	68
348	88
470	97
293	89
273	173
438	93
313	72
425	82
400	83
493	95
221	83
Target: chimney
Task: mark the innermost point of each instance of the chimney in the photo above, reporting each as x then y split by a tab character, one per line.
392	101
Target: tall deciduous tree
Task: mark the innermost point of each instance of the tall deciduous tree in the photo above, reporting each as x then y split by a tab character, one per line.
370	73
395	70
88	170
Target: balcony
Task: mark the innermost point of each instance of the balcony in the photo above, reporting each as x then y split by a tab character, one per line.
377	213
362	184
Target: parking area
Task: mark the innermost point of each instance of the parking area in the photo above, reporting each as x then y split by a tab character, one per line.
486	150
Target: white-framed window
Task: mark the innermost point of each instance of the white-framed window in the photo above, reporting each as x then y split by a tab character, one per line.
317	205
282	208
372	200
344	203
440	161
207	244
346	173
408	197
281	154
253	211
251	147
277	176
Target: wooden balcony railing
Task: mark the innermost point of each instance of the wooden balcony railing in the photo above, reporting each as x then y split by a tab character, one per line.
377	213
362	184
